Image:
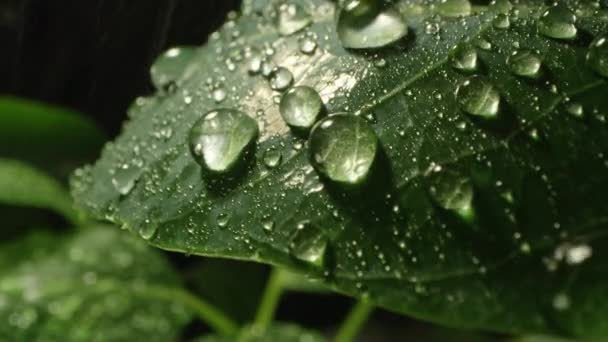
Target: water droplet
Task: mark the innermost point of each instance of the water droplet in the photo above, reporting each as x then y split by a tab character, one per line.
308	44
301	107
219	139
464	59
575	109
525	63
478	97
292	18
309	243
219	94
343	148
597	57
501	21
124	178
169	66
222	220
148	230
454	8
272	158
451	191
267	223
558	22
483	44
280	79
364	24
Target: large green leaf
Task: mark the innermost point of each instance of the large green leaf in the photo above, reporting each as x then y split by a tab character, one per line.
492	223
23	185
99	285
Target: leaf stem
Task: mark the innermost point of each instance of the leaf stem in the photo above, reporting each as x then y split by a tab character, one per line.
206	312
354	321
270	300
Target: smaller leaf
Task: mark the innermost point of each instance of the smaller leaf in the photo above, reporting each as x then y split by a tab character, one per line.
280	332
98	285
23	185
44	133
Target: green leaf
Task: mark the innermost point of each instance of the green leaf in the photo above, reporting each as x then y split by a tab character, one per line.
23	185
98	285
484	211
280	332
44	133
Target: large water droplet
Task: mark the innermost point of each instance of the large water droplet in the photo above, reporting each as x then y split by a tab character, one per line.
558	22
454	8
280	79
309	243
597	57
343	148
169	66
292	18
364	24
219	139
464	58
525	63
451	191
300	107
478	97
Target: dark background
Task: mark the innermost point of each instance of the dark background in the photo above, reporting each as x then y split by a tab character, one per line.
93	56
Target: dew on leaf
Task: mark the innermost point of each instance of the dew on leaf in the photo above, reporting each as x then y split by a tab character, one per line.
501	21
478	97
272	158
575	109
597	56
309	243
464	58
219	94
148	230
558	22
307	44
454	8
301	107
525	63
365	26
343	148
222	220
280	78
292	18
451	190
169	66
220	138
267	223
124	178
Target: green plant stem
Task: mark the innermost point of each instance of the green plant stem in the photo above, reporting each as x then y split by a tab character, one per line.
270	300
206	312
354	321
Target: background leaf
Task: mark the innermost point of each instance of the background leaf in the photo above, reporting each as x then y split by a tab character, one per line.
279	332
23	185
97	285
469	222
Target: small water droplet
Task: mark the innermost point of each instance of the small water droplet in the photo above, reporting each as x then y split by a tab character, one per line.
464	58
124	178
478	97
454	8
525	63
558	22
575	109
309	243
343	148
301	107
451	191
272	158
308	44
597	57
501	21
280	79
365	24
267	223
148	230
219	94
292	18
219	139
